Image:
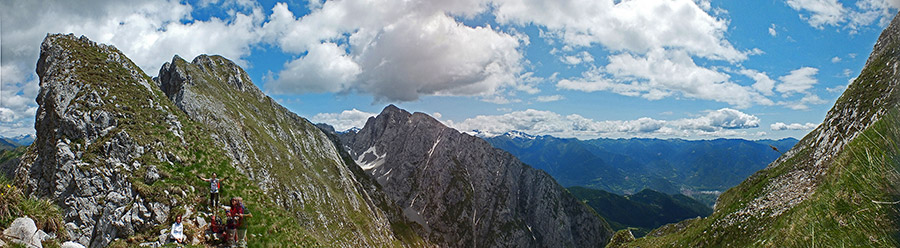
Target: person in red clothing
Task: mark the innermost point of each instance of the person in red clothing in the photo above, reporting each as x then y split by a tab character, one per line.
240	214
215	233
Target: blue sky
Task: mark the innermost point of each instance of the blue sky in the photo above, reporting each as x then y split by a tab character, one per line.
573	68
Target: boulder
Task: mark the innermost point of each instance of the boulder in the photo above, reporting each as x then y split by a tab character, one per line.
23	231
70	244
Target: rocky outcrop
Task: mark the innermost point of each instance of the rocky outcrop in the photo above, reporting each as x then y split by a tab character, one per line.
82	157
466	193
288	157
23	231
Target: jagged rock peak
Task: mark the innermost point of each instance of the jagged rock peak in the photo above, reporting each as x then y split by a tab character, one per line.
218	67
290	159
58	46
88	145
391	109
464	192
394	114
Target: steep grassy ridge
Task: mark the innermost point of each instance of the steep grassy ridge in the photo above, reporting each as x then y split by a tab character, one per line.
290	159
837	187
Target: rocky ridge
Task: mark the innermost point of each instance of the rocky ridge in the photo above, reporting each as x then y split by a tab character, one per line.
288	157
120	159
464	192
86	144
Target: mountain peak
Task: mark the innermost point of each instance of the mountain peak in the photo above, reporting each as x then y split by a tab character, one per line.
519	135
420	163
391	109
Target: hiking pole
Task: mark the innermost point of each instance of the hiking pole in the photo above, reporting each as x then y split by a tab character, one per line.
776	149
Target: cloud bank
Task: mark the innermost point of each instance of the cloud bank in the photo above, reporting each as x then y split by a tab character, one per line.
715	123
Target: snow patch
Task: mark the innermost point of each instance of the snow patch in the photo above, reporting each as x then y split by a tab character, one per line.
370	159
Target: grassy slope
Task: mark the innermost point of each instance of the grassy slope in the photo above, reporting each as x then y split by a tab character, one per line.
343	219
852	204
6	155
847	209
147	126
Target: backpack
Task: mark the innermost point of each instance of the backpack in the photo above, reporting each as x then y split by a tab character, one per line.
216	225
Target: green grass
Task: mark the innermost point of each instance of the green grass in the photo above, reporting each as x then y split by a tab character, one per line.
857	196
147	126
852	206
292	151
14	204
6	155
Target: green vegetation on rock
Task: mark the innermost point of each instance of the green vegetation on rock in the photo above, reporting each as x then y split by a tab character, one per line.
839	187
14	204
153	149
291	160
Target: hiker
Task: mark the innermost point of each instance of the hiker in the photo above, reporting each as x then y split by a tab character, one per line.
240	213
216	231
214	185
230	227
177	232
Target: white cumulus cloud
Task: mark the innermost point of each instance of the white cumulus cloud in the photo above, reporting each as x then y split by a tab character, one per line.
396	51
344	120
821	13
663	73
550	98
582	57
780	126
763	83
324	69
722	122
637	26
798	81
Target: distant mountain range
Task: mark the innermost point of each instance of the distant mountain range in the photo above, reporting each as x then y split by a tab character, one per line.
642	211
7	143
699	168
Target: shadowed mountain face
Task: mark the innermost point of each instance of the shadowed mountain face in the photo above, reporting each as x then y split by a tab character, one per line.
838	186
465	192
643	211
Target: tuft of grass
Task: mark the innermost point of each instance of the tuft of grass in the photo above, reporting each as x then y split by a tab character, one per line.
14	204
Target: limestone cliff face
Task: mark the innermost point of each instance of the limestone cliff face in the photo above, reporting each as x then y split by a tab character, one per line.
288	157
88	153
466	193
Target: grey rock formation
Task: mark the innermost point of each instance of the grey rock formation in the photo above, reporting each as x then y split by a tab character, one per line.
466	193
291	159
23	231
74	119
70	244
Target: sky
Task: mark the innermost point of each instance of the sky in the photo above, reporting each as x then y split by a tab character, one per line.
690	69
